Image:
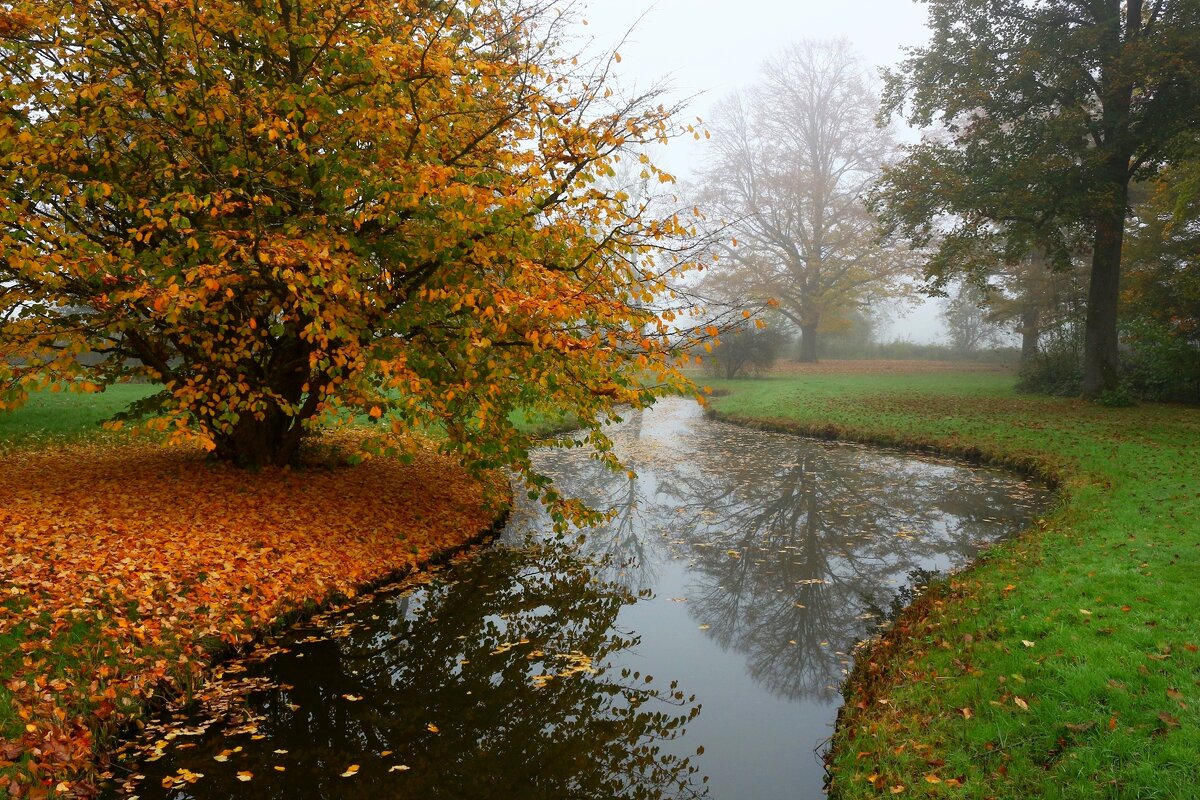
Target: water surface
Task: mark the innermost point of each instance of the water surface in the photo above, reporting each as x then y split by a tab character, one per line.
692	647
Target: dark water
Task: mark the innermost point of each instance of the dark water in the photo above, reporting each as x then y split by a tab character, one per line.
693	647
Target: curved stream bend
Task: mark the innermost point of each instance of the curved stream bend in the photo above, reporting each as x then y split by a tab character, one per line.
693	647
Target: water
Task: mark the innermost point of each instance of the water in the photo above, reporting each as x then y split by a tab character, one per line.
692	647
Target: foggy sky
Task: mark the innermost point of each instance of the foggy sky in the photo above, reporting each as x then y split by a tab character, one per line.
705	49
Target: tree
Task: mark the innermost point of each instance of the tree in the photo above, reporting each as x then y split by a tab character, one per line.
1048	109
968	324
791	160
1038	301
283	211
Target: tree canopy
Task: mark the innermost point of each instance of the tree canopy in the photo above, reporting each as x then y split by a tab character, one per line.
284	211
1045	113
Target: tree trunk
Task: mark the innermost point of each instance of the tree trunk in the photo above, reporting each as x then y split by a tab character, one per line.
808	344
1030	331
257	443
273	440
1100	355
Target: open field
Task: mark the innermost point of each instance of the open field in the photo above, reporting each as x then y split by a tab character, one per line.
1065	663
883	366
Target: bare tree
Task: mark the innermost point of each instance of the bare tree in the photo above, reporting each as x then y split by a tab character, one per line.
791	160
969	326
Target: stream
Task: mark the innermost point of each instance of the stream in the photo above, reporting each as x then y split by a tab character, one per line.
691	647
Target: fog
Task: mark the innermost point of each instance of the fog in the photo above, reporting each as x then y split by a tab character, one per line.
702	50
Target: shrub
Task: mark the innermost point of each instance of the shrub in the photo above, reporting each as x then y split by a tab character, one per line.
1161	364
746	350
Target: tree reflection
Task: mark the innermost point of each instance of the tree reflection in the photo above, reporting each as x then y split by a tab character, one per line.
796	545
499	685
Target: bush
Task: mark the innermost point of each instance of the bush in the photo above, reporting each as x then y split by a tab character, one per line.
1157	364
1161	364
1056	370
746	350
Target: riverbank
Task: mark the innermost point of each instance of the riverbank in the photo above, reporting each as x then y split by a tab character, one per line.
127	566
1064	664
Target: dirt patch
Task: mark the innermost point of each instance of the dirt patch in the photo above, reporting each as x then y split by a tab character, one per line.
881	366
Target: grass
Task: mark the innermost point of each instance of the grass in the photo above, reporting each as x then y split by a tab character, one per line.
60	417
1064	664
50	418
544	424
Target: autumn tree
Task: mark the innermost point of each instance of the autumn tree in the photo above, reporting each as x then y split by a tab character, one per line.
283	211
790	161
1047	110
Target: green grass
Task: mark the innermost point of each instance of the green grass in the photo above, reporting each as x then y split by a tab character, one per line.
544	424
1091	620
58	417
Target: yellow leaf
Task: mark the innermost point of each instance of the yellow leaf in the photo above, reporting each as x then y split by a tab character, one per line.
245	775
351	771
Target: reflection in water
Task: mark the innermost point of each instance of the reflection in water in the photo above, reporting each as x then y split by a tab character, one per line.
739	567
497	685
793	545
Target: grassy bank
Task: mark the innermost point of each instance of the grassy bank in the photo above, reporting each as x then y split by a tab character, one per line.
58	417
125	566
1064	664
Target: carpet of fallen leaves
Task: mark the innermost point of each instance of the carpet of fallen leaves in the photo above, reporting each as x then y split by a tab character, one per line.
126	568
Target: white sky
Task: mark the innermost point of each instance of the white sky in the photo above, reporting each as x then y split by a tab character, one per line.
708	48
